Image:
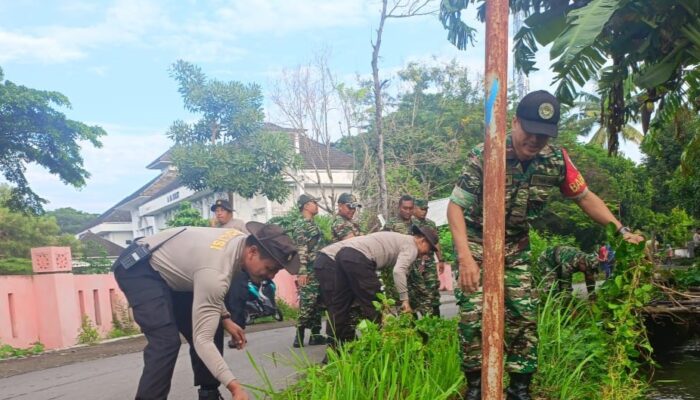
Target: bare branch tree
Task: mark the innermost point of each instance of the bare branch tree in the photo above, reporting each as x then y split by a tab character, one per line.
398	9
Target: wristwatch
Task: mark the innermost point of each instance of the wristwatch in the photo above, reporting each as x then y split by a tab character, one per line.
623	229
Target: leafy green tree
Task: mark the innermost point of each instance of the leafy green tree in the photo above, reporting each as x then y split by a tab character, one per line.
226	150
71	220
186	215
20	232
654	47
34	130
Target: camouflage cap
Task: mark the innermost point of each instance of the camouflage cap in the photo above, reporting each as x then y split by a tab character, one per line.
276	242
223	204
421	203
305	198
349	199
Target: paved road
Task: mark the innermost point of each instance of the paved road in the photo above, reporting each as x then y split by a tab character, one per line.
115	378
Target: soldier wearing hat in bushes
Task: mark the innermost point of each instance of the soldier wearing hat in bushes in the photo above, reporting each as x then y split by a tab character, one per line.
557	264
534	169
309	240
202	261
343	227
347	272
223	213
423	282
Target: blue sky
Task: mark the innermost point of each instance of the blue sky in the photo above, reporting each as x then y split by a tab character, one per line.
111	59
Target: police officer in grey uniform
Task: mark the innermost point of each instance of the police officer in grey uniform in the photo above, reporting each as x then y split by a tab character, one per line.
202	261
223	216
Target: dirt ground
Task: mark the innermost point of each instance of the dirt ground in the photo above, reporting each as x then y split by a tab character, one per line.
57	358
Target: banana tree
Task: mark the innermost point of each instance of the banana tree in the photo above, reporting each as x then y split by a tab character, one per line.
643	53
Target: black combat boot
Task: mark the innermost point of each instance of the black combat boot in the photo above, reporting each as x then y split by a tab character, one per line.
316	338
209	394
298	338
519	388
473	385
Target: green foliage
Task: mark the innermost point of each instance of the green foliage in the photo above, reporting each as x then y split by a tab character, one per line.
404	359
288	312
122	324
596	351
685	278
226	150
186	215
20	232
33	130
87	334
95	259
71	220
446	245
324	223
7	351
287	220
15	266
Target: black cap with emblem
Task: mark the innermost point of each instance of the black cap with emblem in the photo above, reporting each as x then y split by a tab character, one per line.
538	113
280	246
223	204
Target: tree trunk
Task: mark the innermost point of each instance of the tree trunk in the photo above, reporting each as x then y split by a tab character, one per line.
381	168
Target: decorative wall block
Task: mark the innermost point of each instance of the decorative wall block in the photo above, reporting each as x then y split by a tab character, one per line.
51	259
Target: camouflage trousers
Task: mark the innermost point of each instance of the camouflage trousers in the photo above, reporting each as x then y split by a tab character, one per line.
310	306
520	319
424	287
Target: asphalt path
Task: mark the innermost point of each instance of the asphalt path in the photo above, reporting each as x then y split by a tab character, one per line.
116	377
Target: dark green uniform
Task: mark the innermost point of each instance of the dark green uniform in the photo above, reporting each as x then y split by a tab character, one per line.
341	227
423	282
528	186
400	226
557	264
308	238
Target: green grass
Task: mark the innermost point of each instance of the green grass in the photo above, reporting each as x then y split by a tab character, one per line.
395	362
7	351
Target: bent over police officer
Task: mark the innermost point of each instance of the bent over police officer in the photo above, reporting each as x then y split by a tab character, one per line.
533	169
202	261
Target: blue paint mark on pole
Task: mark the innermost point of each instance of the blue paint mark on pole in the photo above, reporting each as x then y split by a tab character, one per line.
491	101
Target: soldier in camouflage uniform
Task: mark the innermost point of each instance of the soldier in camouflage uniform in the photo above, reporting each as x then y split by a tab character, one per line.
343	227
308	239
401	224
533	170
423	282
557	264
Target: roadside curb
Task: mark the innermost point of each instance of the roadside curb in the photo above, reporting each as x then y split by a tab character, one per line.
104	349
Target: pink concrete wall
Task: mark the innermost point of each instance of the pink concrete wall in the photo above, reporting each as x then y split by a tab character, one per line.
101	298
446	278
286	288
18	321
47	307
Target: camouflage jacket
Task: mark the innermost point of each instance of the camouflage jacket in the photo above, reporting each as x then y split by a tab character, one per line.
341	227
424	222
528	186
564	262
398	225
309	240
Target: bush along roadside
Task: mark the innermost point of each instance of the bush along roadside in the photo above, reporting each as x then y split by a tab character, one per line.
402	359
595	351
7	351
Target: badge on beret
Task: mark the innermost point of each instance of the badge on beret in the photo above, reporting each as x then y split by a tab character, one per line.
290	256
546	111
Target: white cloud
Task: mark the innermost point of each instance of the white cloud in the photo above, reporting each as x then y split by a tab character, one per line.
283	16
21	47
116	169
